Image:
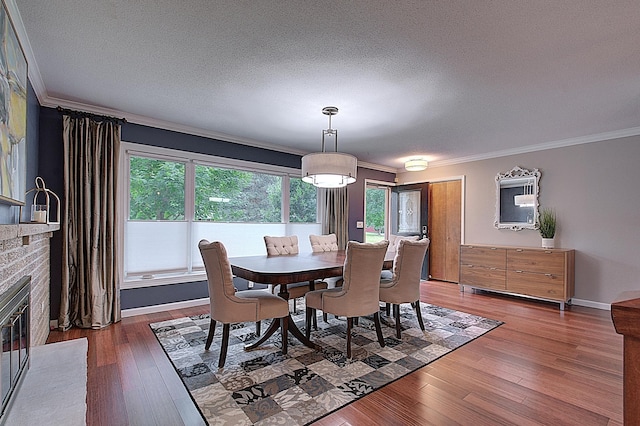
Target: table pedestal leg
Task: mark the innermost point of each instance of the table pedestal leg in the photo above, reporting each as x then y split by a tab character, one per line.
273	327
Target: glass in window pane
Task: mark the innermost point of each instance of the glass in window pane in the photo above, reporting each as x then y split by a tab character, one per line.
156	189
303	204
375	211
225	195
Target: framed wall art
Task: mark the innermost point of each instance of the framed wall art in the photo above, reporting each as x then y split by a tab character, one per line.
13	113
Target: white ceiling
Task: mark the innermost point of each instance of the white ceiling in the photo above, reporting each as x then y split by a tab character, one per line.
448	80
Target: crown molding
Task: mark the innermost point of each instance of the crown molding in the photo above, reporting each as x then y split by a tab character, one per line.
599	137
52	102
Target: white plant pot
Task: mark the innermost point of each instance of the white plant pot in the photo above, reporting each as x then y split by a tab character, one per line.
548	242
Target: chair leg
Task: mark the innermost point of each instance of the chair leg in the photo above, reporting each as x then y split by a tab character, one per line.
284	329
225	345
295	307
376	320
315	320
258	323
212	330
416	305
396	314
324	317
349	326
388	306
307	322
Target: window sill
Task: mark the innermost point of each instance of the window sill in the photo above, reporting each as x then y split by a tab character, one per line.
173	279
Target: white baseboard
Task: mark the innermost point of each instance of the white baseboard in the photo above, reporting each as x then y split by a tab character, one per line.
165	307
591	304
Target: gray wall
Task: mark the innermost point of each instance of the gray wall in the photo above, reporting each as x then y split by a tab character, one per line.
593	189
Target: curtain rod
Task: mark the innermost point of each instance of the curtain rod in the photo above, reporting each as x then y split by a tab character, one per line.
82	114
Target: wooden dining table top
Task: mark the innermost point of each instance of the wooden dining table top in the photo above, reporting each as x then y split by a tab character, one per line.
288	269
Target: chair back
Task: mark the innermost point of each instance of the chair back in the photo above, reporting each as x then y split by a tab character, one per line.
394	240
407	268
222	299
322	243
360	293
277	246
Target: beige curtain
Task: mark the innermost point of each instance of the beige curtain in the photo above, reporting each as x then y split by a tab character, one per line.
334	211
90	271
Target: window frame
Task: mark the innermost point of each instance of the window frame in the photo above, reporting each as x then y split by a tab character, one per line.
190	159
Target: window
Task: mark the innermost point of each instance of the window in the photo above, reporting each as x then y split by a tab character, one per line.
376	213
173	199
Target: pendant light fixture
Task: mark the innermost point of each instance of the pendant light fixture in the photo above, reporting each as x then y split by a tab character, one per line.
527	199
329	169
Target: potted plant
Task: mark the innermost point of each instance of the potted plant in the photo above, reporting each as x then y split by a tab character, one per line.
547	227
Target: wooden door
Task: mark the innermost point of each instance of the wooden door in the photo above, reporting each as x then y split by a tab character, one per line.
445	230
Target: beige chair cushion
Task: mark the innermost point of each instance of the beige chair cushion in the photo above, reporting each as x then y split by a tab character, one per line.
226	305
322	243
404	287
277	246
359	294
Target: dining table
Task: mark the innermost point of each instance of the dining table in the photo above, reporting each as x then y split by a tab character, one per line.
290	269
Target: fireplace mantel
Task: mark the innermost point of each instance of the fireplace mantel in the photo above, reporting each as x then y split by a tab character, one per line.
8	232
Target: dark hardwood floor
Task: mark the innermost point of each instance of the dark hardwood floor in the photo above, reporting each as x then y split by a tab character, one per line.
543	366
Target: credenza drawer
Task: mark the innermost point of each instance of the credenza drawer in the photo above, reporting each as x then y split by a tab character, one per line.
480	276
541	261
548	286
490	257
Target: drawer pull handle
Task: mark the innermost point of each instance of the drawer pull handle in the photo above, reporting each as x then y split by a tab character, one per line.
518	272
548	251
493	248
519	250
549	275
493	269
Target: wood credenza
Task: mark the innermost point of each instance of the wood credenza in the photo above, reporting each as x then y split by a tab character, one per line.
546	274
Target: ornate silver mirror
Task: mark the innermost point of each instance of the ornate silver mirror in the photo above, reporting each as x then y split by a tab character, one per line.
517	199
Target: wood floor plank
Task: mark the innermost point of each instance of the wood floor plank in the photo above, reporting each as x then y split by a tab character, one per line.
542	366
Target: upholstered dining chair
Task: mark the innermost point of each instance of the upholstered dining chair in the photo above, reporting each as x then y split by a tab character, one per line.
323	243
360	291
288	245
404	286
229	307
394	240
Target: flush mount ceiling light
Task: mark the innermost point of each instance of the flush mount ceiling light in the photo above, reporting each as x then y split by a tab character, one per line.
416	165
329	169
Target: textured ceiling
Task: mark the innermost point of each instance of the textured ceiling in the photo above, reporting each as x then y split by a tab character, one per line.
447	80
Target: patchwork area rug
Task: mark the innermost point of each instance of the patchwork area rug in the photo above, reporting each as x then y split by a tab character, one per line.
264	387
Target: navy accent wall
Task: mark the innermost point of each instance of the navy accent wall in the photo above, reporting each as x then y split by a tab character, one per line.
51	169
8	213
199	144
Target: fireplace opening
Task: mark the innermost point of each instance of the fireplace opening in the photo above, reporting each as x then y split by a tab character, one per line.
14	320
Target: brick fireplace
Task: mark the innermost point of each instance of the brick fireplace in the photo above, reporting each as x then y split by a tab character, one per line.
24	251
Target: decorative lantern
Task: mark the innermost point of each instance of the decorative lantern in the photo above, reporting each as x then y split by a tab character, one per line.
41	213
